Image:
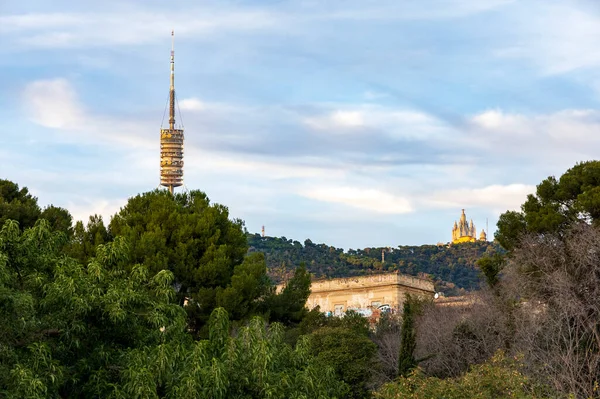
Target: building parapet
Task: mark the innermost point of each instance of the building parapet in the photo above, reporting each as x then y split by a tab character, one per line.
376	280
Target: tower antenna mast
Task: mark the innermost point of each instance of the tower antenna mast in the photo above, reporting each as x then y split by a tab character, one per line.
172	86
171	139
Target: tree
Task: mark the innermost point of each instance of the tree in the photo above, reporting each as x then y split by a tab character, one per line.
491	266
59	219
256	363
386	336
249	289
555	206
86	239
107	331
451	339
350	353
406	359
67	328
551	278
17	204
557	282
289	306
198	243
498	378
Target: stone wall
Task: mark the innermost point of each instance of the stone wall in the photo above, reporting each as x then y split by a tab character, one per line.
366	293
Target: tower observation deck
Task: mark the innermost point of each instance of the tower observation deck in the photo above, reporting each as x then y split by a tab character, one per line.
171	139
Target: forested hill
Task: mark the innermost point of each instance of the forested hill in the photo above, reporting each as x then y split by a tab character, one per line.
452	268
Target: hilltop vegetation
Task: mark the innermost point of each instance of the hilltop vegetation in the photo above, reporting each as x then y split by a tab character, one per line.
452	268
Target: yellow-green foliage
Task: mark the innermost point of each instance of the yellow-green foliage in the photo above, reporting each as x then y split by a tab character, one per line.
496	379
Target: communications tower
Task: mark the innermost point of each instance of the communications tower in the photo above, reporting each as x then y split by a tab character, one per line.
171	139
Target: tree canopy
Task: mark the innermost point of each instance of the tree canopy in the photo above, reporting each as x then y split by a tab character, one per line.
17	204
66	327
555	206
59	219
193	239
104	330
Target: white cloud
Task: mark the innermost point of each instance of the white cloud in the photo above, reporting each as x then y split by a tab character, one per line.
192	104
336	120
83	208
368	199
525	143
23	22
557	37
570	128
127	25
236	165
499	198
408	10
396	123
496	119
53	103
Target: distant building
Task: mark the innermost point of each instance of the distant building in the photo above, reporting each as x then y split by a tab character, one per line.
367	295
466	232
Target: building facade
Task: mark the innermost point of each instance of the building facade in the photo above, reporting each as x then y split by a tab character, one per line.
366	294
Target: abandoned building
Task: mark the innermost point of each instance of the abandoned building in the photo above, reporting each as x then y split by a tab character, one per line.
366	294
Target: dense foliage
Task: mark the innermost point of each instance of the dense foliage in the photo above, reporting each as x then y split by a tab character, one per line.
555	206
498	378
256	363
197	242
453	268
17	204
207	253
105	330
66	327
344	344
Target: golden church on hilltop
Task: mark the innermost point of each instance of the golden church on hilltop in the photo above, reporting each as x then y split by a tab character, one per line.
466	232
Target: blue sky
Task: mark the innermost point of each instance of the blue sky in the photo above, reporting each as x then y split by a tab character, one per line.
354	123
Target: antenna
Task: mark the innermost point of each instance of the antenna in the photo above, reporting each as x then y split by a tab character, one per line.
171	139
172	86
263	231
487	231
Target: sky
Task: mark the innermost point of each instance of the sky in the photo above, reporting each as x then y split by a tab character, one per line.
354	123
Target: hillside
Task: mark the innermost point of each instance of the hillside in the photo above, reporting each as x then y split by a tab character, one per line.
452	268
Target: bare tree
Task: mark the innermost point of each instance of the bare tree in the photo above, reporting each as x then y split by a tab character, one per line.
387	335
452	338
546	307
555	282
